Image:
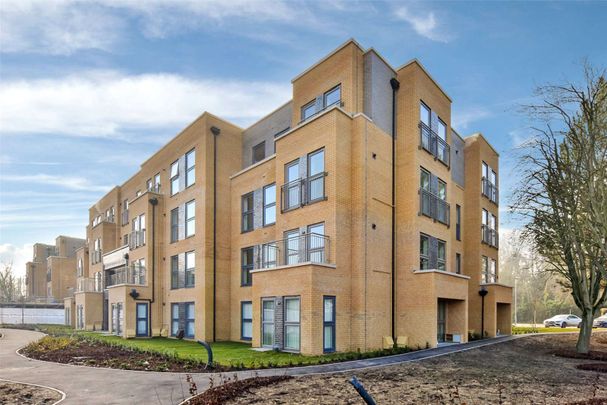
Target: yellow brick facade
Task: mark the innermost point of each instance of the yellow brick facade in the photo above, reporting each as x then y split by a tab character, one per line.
243	261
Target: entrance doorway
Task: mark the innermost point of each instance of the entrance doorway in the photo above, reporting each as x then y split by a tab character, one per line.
441	321
267	322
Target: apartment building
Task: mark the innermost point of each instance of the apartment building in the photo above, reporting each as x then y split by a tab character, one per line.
351	217
50	276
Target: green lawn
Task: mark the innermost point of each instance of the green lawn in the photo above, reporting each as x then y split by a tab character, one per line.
233	354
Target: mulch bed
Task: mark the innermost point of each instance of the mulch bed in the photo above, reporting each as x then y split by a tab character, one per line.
572	354
598	367
226	392
24	394
593	401
96	354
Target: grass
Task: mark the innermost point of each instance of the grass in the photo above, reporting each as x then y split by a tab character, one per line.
520	330
231	354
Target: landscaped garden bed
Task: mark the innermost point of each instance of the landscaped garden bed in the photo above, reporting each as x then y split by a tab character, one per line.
17	393
233	389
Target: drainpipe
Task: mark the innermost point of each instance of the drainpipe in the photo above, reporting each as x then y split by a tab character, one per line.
216	131
395	86
154	202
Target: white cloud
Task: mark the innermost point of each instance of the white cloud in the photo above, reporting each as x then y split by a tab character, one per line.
18	255
68	182
460	120
108	103
63	27
425	24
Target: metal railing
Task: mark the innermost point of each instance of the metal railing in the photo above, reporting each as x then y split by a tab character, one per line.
310	247
489	236
489	190
136	239
438	147
434	207
87	284
300	192
133	274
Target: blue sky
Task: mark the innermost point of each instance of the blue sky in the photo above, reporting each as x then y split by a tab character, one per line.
89	84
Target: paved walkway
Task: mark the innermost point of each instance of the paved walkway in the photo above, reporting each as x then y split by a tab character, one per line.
109	386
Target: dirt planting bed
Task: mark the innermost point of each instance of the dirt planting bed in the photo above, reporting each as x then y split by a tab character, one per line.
96	354
522	371
232	390
15	393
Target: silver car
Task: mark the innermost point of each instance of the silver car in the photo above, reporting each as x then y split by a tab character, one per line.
600	322
563	321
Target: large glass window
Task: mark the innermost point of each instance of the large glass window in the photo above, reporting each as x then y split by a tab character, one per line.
292	188
424	114
269	204
292	246
189	319
267	322
484	269
424	182
308	110
442	190
332	96
175	177
424	252
458	222
174	225
247	212
174	272
442	130
316	243
190	218
316	179
174	319
485	171
442	255
246	320
157	182
190	168
190	267
492	271
292	327
246	266
328	324
142	319
259	152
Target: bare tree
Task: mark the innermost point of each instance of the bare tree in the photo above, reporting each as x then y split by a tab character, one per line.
563	190
9	284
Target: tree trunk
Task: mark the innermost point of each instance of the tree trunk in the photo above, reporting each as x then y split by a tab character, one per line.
583	341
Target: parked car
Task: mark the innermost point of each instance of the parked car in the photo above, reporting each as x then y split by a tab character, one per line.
563	321
600	322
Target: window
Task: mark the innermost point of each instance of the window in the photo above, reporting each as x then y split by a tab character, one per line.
308	110
80	268
190	266
292	328
328	322
424	114
137	238
259	152
484	269
125	212
246	320
247	212
267	322
269	204
292	187
190	218
493	178
190	168
174	272
424	182
149	185
175	177
424	252
142	319
442	131
316	176
157	182
292	246
458	263
189	319
442	190
485	171
492	271
442	255
174	225
246	266
174	319
332	96
458	222
316	243
138	193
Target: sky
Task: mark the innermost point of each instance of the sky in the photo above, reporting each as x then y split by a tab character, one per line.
97	84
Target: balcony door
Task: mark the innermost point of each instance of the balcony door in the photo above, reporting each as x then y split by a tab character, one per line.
267	322
292	246
316	243
142	319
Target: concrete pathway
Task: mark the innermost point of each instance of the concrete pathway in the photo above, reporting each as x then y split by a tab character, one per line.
109	386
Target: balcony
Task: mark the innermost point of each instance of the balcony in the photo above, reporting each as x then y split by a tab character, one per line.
306	248
86	285
489	190
133	275
300	192
489	236
434	207
431	142
136	239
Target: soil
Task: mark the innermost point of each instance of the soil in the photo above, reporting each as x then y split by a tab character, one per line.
94	354
219	395
522	371
14	393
